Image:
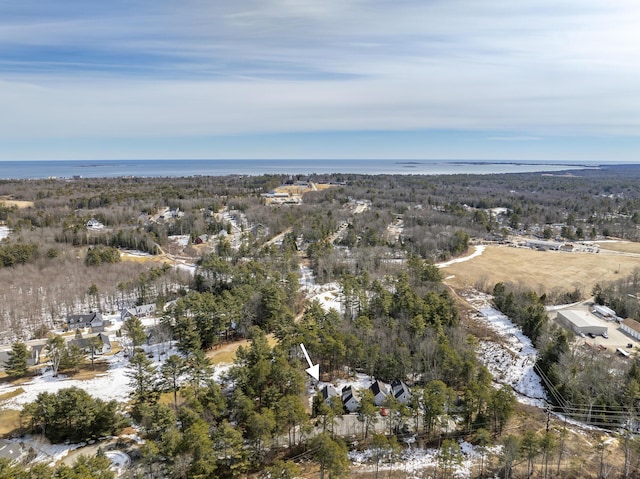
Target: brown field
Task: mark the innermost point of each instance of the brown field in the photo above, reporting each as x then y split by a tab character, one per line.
226	353
542	271
622	246
17	203
9	421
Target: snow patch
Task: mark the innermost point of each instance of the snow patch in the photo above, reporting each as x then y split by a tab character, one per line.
479	250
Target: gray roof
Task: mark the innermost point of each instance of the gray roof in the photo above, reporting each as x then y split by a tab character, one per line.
10	450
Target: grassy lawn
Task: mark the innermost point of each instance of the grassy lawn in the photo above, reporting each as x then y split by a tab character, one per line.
9	421
11	394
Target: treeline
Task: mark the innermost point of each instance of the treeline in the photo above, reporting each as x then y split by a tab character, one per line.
12	254
525	308
134	239
622	295
99	255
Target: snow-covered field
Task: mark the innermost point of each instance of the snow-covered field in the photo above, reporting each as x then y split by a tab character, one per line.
111	385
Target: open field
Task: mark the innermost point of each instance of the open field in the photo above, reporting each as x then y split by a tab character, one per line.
542	271
17	203
621	246
226	353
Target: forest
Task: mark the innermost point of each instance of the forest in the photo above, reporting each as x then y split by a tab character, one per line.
222	265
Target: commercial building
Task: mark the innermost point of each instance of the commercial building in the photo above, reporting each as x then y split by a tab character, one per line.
631	327
581	322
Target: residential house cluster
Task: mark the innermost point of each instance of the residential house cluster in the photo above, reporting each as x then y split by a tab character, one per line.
351	397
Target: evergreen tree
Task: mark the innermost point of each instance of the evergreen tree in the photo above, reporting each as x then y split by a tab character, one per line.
142	379
16	364
172	370
331	454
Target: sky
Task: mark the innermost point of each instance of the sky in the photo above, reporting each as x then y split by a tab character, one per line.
401	79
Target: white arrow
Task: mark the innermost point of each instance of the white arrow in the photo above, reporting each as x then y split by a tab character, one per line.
313	371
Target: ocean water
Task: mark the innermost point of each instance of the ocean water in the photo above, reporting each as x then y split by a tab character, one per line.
186	168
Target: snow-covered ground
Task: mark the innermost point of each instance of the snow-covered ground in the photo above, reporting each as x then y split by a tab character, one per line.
413	461
512	360
329	296
111	385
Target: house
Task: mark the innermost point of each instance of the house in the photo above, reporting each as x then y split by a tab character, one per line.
328	392
83	343
92	320
350	399
32	360
380	392
401	391
141	311
94	224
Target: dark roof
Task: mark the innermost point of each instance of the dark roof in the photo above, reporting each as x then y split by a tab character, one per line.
329	391
73	319
399	387
377	388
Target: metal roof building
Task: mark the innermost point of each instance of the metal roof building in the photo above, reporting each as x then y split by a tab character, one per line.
581	322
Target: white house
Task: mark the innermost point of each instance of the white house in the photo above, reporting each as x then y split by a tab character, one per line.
328	392
380	392
631	327
401	391
350	399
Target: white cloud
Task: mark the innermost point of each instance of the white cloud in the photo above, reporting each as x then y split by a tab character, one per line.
254	66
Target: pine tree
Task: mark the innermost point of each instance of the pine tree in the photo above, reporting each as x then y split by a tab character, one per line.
143	379
16	364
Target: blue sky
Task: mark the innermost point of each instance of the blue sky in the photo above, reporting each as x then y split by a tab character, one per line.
414	79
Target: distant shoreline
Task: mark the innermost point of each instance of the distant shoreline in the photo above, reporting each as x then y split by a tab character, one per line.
70	169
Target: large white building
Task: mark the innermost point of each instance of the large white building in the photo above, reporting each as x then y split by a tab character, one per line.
631	327
581	322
